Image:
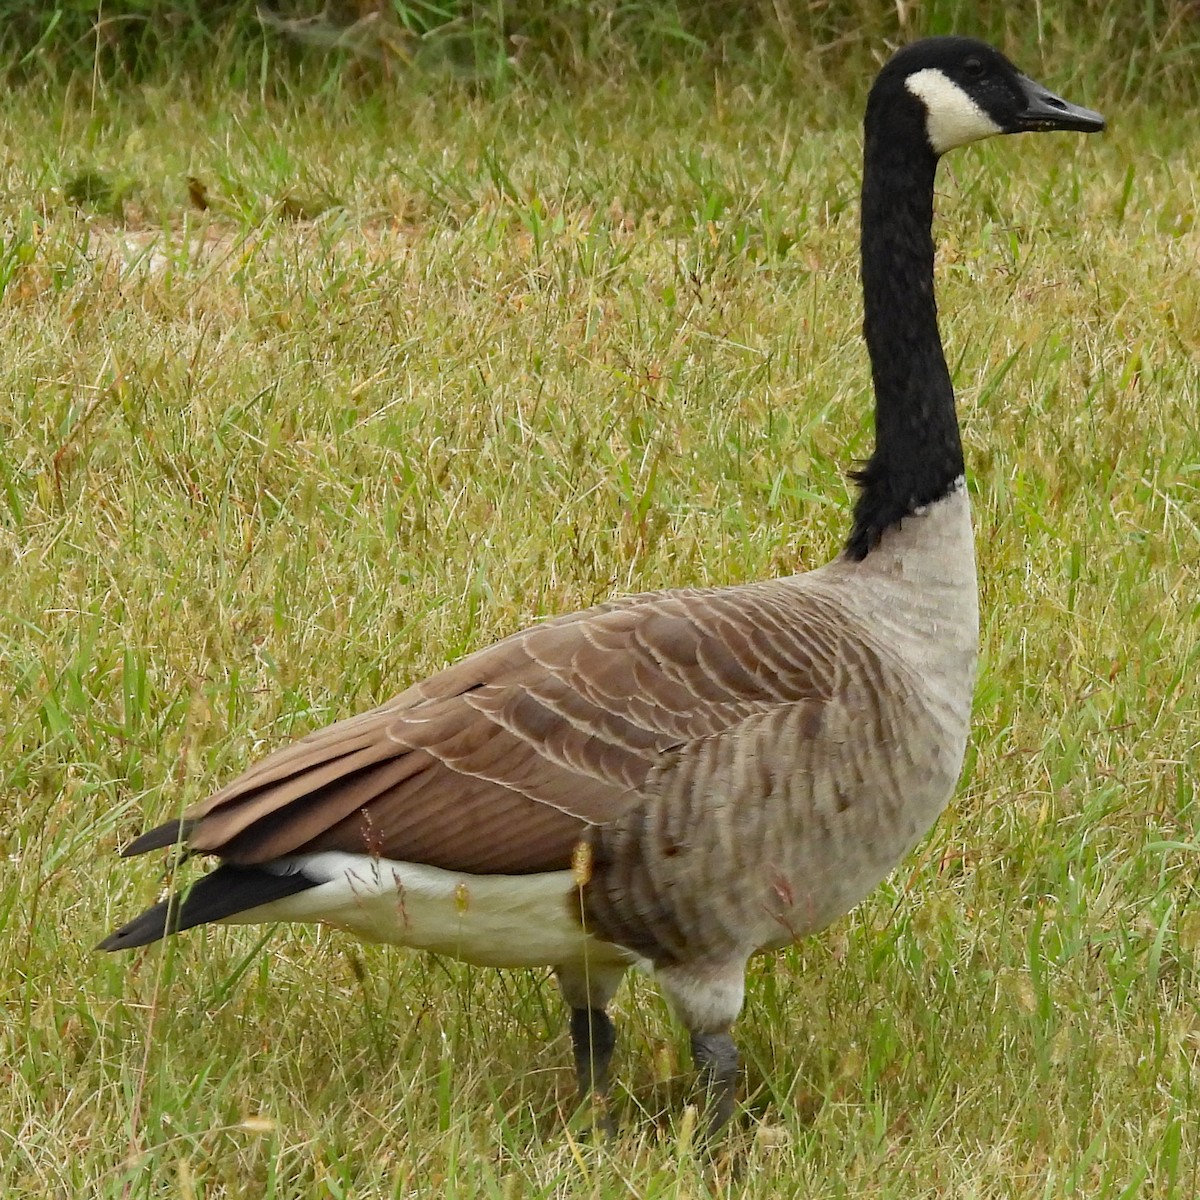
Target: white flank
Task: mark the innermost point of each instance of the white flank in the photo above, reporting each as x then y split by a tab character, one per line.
489	920
952	117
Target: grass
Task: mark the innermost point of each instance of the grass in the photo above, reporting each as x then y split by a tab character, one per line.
429	366
1143	50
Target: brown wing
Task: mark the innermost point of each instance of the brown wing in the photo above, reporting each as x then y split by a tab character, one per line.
499	763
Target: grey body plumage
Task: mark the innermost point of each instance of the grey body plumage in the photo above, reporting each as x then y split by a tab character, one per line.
679	779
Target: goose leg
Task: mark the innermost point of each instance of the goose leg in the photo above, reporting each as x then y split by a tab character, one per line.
593	1036
716	1060
707	999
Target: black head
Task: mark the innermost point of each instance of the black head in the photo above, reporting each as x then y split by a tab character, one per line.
962	90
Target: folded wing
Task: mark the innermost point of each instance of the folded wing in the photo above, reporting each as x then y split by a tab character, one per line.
499	763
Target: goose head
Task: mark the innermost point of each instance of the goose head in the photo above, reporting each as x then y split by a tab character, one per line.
958	90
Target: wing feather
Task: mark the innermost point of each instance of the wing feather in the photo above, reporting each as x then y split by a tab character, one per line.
502	761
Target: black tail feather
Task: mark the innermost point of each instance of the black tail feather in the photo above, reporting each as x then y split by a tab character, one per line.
225	891
170	833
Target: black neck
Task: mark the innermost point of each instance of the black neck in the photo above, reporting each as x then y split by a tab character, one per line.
918	452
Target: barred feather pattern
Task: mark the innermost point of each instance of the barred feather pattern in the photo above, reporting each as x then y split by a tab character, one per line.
744	764
771	830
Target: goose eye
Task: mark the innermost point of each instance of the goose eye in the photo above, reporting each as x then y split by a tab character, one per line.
974	67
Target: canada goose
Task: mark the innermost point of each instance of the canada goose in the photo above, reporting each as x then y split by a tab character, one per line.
678	779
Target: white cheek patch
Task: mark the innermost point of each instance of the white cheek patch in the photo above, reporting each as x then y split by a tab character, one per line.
952	117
